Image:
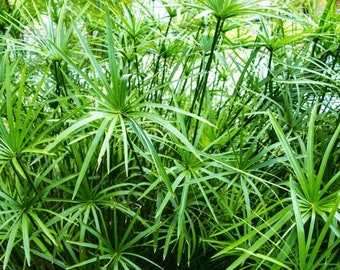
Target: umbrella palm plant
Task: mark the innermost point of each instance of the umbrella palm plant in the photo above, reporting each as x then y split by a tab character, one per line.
191	139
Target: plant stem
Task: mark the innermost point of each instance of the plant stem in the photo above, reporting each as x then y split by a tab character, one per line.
202	87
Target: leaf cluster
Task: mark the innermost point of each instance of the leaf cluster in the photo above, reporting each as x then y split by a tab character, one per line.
176	135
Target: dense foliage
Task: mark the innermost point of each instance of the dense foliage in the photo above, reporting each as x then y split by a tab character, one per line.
193	135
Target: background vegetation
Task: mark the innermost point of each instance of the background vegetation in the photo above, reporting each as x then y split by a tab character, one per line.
196	135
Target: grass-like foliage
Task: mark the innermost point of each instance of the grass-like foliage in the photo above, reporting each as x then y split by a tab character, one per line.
169	134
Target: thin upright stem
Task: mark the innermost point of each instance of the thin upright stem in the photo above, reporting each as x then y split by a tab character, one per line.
202	87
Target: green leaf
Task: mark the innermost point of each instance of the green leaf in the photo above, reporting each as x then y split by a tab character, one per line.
125	144
291	155
11	243
18	168
175	132
42	227
325	230
300	230
106	143
89	155
327	154
273	225
79	124
148	146
265	258
310	147
117	92
25	224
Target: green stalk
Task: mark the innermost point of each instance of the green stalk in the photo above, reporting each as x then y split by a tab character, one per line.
196	93
162	48
140	167
136	63
321	25
269	83
185	66
336	60
203	86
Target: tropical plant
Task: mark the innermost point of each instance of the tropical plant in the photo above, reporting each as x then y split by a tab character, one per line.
169	135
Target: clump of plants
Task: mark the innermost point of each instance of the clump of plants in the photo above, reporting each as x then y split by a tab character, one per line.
169	135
